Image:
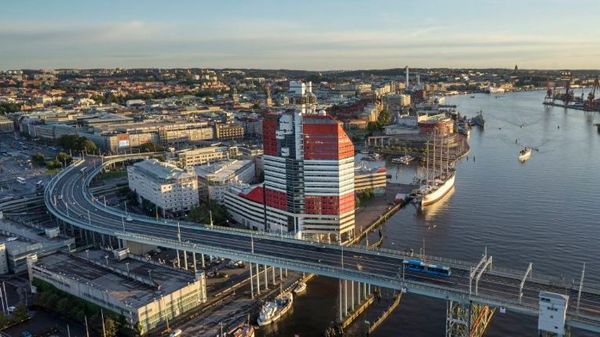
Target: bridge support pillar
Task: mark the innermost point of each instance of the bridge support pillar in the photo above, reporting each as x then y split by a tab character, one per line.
345	297
352	295
273	275
178	263
202	257
257	280
251	282
341	316
467	320
280	275
185	264
194	262
266	277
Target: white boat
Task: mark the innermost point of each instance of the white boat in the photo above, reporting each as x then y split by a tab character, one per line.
299	288
273	310
525	154
403	160
440	175
434	192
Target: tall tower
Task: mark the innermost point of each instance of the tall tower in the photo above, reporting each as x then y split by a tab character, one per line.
309	176
269	99
407	77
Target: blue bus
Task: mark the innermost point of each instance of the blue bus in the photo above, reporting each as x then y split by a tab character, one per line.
418	266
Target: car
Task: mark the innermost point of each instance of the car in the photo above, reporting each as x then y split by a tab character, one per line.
129	219
11	309
12	238
175	333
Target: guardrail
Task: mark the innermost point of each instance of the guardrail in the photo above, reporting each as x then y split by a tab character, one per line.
526	305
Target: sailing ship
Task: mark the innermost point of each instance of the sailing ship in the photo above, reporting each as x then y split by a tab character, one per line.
440	174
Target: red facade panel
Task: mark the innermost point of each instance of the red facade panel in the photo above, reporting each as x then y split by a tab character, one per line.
269	140
326	142
276	199
256	195
329	205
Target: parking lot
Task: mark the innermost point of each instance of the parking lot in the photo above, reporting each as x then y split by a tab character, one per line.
15	162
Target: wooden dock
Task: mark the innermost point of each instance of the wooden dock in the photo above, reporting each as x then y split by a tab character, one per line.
386	313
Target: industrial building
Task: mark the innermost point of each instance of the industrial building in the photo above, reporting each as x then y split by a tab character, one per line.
309	179
165	185
143	292
214	179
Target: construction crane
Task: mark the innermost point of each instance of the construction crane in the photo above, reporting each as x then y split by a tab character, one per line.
591	104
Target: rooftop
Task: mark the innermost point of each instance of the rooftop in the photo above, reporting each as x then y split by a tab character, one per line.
161	171
222	170
90	267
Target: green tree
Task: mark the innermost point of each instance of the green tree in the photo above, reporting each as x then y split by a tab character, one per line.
64	158
6	107
38	159
150	147
138	329
53	164
3	321
21	313
63	305
383	119
110	327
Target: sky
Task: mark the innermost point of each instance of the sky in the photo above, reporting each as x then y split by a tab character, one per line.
307	34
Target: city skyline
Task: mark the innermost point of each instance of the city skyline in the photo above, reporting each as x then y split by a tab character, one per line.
334	35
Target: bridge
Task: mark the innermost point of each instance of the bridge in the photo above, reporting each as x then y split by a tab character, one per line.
473	291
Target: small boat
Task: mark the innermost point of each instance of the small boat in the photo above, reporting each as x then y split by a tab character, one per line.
300	288
273	310
242	330
403	160
525	154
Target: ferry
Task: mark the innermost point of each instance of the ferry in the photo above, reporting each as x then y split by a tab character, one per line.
525	154
300	288
274	310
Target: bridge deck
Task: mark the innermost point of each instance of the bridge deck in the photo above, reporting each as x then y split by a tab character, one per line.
498	287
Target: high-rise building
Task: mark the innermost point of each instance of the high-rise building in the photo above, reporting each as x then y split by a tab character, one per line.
309	178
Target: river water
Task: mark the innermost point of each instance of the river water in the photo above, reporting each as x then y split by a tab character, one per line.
545	211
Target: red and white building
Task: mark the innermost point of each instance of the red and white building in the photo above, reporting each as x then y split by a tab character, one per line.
309	180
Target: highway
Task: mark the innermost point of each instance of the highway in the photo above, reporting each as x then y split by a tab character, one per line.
69	199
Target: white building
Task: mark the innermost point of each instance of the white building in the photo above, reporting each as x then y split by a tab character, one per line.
165	185
3	259
214	179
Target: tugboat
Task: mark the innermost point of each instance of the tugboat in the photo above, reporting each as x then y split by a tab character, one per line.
274	310
525	154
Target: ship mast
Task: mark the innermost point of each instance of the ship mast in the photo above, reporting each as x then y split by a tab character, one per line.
433	159
441	156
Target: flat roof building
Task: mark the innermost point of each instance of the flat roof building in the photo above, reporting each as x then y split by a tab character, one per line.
141	291
214	179
165	185
203	155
